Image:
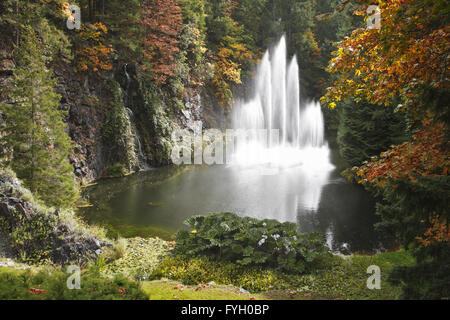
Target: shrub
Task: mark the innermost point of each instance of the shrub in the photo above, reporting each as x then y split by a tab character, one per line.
52	285
251	242
193	271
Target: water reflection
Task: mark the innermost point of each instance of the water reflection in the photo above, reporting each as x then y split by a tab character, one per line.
165	197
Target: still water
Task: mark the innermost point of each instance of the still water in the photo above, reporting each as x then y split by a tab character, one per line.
165	197
288	179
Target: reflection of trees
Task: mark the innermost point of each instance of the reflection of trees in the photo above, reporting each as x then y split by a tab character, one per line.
107	189
349	211
101	194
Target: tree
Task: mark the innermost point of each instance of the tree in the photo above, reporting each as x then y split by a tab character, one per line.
193	40
124	32
365	130
408	53
406	59
231	54
90	51
162	24
33	140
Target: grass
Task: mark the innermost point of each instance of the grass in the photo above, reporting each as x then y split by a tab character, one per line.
115	228
173	290
51	284
338	278
386	261
200	279
136	257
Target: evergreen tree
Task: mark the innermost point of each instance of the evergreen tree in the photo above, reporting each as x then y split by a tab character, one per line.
365	130
33	141
122	19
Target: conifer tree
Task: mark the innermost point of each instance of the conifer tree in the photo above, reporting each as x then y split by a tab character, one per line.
33	140
365	130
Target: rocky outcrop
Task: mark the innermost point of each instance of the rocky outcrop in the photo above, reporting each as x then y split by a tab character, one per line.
193	110
119	120
36	233
83	99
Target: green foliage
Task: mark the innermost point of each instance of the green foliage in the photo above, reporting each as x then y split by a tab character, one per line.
365	130
248	241
404	209
195	270
34	141
192	39
115	170
430	278
31	238
26	285
334	277
122	19
43	17
117	135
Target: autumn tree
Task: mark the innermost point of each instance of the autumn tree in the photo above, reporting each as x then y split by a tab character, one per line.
91	53
406	59
231	54
162	25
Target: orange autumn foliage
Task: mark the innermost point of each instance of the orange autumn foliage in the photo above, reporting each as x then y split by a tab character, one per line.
91	53
227	69
162	24
411	49
438	232
427	156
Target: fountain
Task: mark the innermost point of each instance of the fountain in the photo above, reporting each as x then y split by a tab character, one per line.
299	147
287	179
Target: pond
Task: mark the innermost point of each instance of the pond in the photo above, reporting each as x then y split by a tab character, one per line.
159	200
282	169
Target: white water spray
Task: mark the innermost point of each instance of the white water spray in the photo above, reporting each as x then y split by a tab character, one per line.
275	105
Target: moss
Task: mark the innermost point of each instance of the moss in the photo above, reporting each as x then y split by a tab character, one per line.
201	270
115	170
117	135
36	232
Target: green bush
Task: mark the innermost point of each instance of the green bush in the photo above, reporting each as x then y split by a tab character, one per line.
251	242
334	277
198	270
52	285
429	277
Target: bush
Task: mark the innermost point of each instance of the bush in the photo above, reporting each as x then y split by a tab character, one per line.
251	242
429	278
199	270
333	278
52	285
